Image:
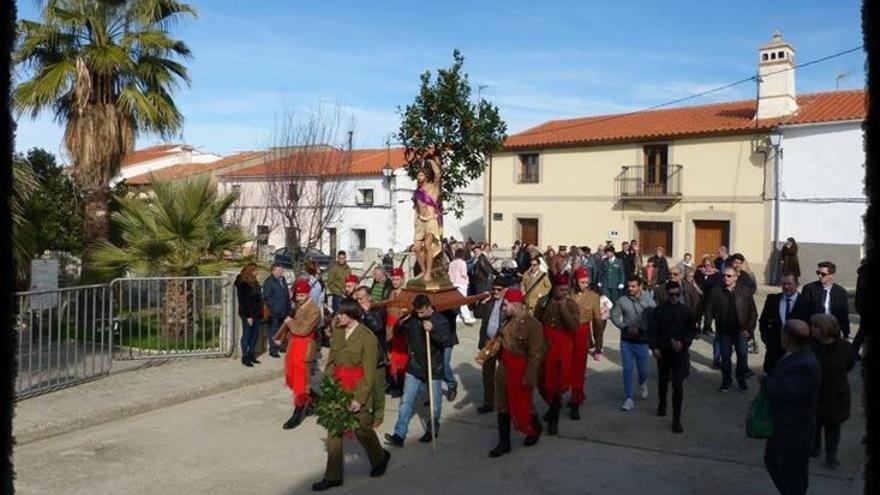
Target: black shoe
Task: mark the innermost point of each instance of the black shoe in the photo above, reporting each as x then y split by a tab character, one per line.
499	450
310	409
275	354
426	438
831	462
393	440
716	365
661	410
574	412
254	360
325	485
247	362
750	374
743	386
452	393
296	418
536	424
485	409
724	388
531	440
380	468
396	393
676	427
553	421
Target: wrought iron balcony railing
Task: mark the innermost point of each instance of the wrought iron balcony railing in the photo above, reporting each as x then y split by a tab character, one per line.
643	182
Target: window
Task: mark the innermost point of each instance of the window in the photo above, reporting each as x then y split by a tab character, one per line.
656	168
528	172
262	235
236	189
765	57
359	239
293	193
365	197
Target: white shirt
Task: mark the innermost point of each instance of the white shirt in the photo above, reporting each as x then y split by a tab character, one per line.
782	316
349	331
493	323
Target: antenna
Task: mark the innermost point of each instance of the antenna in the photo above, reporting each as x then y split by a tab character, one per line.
841	76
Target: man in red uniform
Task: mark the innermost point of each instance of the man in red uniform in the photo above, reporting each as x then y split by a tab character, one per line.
301	351
399	353
519	360
589	317
559	315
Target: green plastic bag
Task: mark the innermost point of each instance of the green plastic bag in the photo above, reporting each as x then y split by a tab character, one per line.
759	422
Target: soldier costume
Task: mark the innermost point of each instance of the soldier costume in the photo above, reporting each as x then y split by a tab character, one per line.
301	352
589	317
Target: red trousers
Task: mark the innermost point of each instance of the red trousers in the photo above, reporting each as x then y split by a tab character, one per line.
579	363
296	369
519	394
557	364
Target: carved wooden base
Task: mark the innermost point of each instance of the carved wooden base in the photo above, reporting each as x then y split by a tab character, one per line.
442	299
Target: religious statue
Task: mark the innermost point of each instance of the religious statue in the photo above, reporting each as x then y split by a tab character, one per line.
428	205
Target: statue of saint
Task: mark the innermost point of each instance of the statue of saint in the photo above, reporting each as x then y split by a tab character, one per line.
428	205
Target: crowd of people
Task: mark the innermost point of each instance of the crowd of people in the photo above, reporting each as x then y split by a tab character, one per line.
542	314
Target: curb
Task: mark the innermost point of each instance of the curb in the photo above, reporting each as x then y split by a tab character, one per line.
49	430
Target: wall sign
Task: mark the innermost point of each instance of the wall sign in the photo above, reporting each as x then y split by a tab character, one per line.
498	217
613	234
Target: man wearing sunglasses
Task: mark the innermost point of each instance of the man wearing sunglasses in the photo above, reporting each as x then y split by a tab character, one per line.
824	296
733	310
491	314
670	332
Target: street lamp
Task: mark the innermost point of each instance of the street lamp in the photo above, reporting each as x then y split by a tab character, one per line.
387	171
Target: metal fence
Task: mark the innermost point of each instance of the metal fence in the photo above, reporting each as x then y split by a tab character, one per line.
171	317
64	338
68	336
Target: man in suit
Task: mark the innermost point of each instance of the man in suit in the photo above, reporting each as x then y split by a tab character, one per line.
827	297
792	388
778	309
277	297
491	314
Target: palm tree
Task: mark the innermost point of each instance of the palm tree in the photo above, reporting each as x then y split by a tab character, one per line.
106	70
178	231
25	184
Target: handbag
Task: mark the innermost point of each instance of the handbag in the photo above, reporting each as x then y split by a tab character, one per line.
759	422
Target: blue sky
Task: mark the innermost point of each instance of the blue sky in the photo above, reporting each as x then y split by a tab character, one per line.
255	60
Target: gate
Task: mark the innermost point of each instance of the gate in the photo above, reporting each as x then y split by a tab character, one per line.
64	338
170	317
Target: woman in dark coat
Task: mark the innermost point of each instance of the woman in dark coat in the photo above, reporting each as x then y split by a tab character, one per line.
836	359
250	309
789	258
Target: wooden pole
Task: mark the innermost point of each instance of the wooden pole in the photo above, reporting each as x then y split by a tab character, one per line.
430	392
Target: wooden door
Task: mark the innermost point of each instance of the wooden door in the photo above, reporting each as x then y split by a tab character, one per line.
528	230
656	165
708	236
653	235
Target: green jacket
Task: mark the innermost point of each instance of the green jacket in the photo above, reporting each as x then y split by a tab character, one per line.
359	350
336	278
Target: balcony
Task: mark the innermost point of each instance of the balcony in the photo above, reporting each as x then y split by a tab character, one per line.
649	183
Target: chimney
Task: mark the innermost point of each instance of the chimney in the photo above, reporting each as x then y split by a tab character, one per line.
186	154
776	92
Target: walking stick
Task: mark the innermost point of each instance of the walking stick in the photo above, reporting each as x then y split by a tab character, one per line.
430	391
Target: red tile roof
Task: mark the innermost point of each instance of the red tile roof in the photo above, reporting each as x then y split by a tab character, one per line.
182	171
147	154
325	162
735	117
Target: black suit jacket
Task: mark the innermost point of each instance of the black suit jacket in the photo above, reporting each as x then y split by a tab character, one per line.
771	325
793	391
815	294
483	311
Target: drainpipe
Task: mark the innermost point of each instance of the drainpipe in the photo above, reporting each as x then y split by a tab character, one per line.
776	142
489	202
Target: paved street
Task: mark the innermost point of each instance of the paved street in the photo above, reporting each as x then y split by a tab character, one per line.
233	443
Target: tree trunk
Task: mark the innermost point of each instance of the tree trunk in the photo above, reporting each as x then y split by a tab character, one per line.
96	225
177	314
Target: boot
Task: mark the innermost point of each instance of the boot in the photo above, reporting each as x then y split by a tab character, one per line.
676	417
574	412
536	425
503	446
397	388
661	409
246	362
299	414
553	420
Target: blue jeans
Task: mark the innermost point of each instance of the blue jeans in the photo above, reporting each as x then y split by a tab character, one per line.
449	378
274	325
411	388
334	302
249	335
728	342
640	354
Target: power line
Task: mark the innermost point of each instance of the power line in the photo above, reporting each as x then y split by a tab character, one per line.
697	95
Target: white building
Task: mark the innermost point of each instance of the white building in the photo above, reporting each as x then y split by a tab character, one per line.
150	160
374	211
822	200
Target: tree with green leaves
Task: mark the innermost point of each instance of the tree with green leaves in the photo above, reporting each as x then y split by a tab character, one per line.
177	231
24	239
56	207
444	124
107	70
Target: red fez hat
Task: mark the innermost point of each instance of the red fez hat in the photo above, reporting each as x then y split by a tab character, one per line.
581	273
352	278
301	287
513	295
397	272
561	278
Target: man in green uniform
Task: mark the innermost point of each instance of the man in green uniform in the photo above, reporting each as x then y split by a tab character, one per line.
352	361
336	276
